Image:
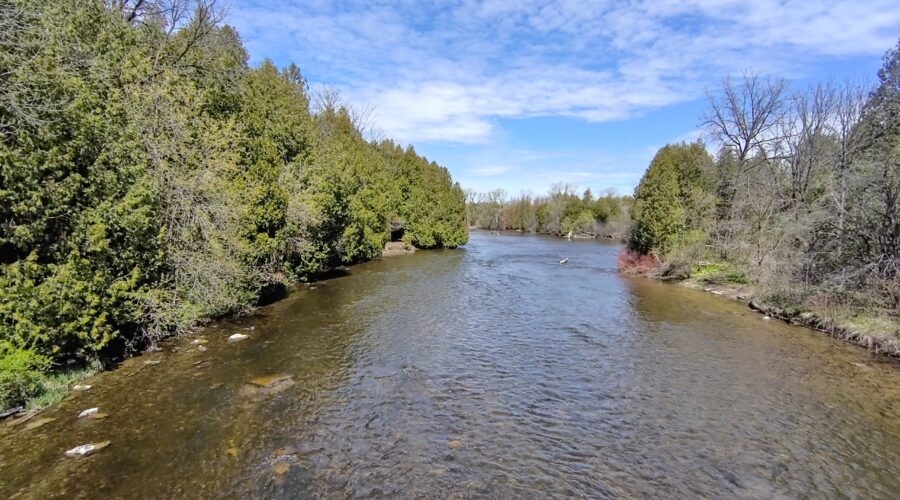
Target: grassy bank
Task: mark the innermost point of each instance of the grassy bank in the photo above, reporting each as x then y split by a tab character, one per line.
876	331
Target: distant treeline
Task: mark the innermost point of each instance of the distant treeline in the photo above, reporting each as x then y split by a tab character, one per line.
150	178
560	212
802	200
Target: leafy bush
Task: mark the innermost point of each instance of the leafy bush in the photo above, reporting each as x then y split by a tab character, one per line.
20	375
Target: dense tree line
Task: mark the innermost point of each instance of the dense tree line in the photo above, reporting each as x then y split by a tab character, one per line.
803	198
561	212
150	178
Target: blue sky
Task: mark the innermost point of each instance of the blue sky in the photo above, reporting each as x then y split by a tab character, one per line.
523	94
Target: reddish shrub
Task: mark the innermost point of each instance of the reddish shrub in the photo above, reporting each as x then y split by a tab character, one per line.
635	263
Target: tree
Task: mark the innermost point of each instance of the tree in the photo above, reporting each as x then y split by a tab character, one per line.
658	214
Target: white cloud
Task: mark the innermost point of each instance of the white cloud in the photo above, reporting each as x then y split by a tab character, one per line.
447	70
489	171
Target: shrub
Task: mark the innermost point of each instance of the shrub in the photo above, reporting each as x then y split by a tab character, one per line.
634	262
20	375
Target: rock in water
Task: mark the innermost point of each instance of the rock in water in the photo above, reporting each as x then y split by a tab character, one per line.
237	337
87	449
201	348
199	341
88	412
81	387
282	468
38	423
270	380
455	444
287	451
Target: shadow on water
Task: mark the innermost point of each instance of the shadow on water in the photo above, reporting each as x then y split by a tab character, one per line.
490	371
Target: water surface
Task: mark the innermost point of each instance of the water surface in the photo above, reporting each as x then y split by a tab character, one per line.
489	371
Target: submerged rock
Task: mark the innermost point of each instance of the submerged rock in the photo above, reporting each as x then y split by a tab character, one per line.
201	348
269	384
87	449
287	451
237	337
269	381
88	412
199	341
151	362
282	468
455	444
39	423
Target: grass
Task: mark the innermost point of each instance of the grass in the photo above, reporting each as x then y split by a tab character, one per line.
720	272
873	323
56	386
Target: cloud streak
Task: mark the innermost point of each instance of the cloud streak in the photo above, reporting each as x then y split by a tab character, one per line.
449	70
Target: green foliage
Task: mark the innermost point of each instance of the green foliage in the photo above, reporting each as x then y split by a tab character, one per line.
20	375
150	178
558	213
671	198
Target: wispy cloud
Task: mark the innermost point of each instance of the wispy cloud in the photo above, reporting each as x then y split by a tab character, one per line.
489	171
448	70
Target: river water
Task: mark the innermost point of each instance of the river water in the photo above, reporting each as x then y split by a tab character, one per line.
489	371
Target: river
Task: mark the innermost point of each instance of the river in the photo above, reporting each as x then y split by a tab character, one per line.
489	371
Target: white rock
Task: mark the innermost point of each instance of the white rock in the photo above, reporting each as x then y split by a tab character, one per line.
81	387
201	348
88	412
716	292
86	449
237	337
767	318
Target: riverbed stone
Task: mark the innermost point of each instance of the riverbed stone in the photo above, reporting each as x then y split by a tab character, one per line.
282	467
237	337
455	444
201	348
199	341
87	449
38	423
81	387
268	381
285	452
88	412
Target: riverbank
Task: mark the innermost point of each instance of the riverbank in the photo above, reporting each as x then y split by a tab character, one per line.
57	385
877	333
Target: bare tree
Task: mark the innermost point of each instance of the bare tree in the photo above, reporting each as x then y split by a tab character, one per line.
744	115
